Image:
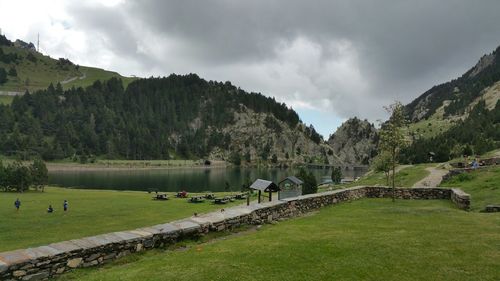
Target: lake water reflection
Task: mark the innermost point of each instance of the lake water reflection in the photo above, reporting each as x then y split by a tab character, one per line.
192	179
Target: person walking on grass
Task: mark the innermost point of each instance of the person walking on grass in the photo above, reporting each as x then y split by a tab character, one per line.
65	205
17	203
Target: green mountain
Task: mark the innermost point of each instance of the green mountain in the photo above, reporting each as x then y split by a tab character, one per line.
157	118
458	117
27	69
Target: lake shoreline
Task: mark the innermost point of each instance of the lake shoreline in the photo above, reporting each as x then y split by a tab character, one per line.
70	167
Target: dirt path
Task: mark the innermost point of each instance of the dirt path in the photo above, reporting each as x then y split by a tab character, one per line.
433	179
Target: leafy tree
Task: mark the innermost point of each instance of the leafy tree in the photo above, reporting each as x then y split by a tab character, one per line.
264	153
310	185
382	163
39	174
235	158
467	150
13	71
336	175
18	177
392	138
3	75
3	176
274	159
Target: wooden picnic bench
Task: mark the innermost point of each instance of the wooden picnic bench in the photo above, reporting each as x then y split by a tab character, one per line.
241	196
221	200
210	196
161	197
196	199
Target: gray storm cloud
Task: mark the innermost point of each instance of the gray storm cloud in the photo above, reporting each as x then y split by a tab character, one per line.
343	58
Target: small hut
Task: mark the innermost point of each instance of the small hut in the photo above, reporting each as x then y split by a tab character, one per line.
265	186
290	187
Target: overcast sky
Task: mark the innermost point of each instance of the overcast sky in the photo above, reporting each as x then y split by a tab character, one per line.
329	60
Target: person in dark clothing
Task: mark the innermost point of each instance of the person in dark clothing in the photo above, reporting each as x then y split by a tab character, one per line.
65	205
50	209
17	204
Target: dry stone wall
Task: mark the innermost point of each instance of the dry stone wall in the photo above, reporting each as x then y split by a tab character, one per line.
43	262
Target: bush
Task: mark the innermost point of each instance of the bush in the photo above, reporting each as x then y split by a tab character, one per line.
39	174
310	185
464	177
19	177
336	175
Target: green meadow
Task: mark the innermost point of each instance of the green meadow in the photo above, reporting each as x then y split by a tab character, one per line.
91	212
369	239
483	185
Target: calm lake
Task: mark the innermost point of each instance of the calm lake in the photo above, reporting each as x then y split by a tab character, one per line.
192	179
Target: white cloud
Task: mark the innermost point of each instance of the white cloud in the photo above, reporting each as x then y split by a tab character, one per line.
334	59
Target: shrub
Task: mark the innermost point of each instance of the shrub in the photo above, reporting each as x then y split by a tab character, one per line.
310	185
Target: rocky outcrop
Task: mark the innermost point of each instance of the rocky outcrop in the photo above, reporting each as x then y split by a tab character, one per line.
483	63
259	136
354	142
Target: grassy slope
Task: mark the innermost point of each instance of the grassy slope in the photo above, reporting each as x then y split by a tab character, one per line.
91	212
483	185
370	239
407	177
45	71
6	99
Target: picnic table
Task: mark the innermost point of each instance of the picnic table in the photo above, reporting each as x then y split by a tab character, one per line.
196	199
221	200
160	197
210	196
241	196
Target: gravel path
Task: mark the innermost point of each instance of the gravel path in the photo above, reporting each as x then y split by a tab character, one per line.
433	179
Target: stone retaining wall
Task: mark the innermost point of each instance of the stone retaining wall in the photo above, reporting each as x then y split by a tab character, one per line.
43	262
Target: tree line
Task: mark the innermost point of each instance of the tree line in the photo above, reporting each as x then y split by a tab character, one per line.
20	177
179	116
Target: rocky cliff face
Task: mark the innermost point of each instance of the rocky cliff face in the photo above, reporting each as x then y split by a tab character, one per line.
257	137
355	142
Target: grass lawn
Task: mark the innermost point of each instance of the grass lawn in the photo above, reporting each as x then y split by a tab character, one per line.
431	127
93	74
91	212
483	185
406	177
369	239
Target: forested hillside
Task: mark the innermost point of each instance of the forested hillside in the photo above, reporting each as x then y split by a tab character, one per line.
457	95
475	135
156	118
460	117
